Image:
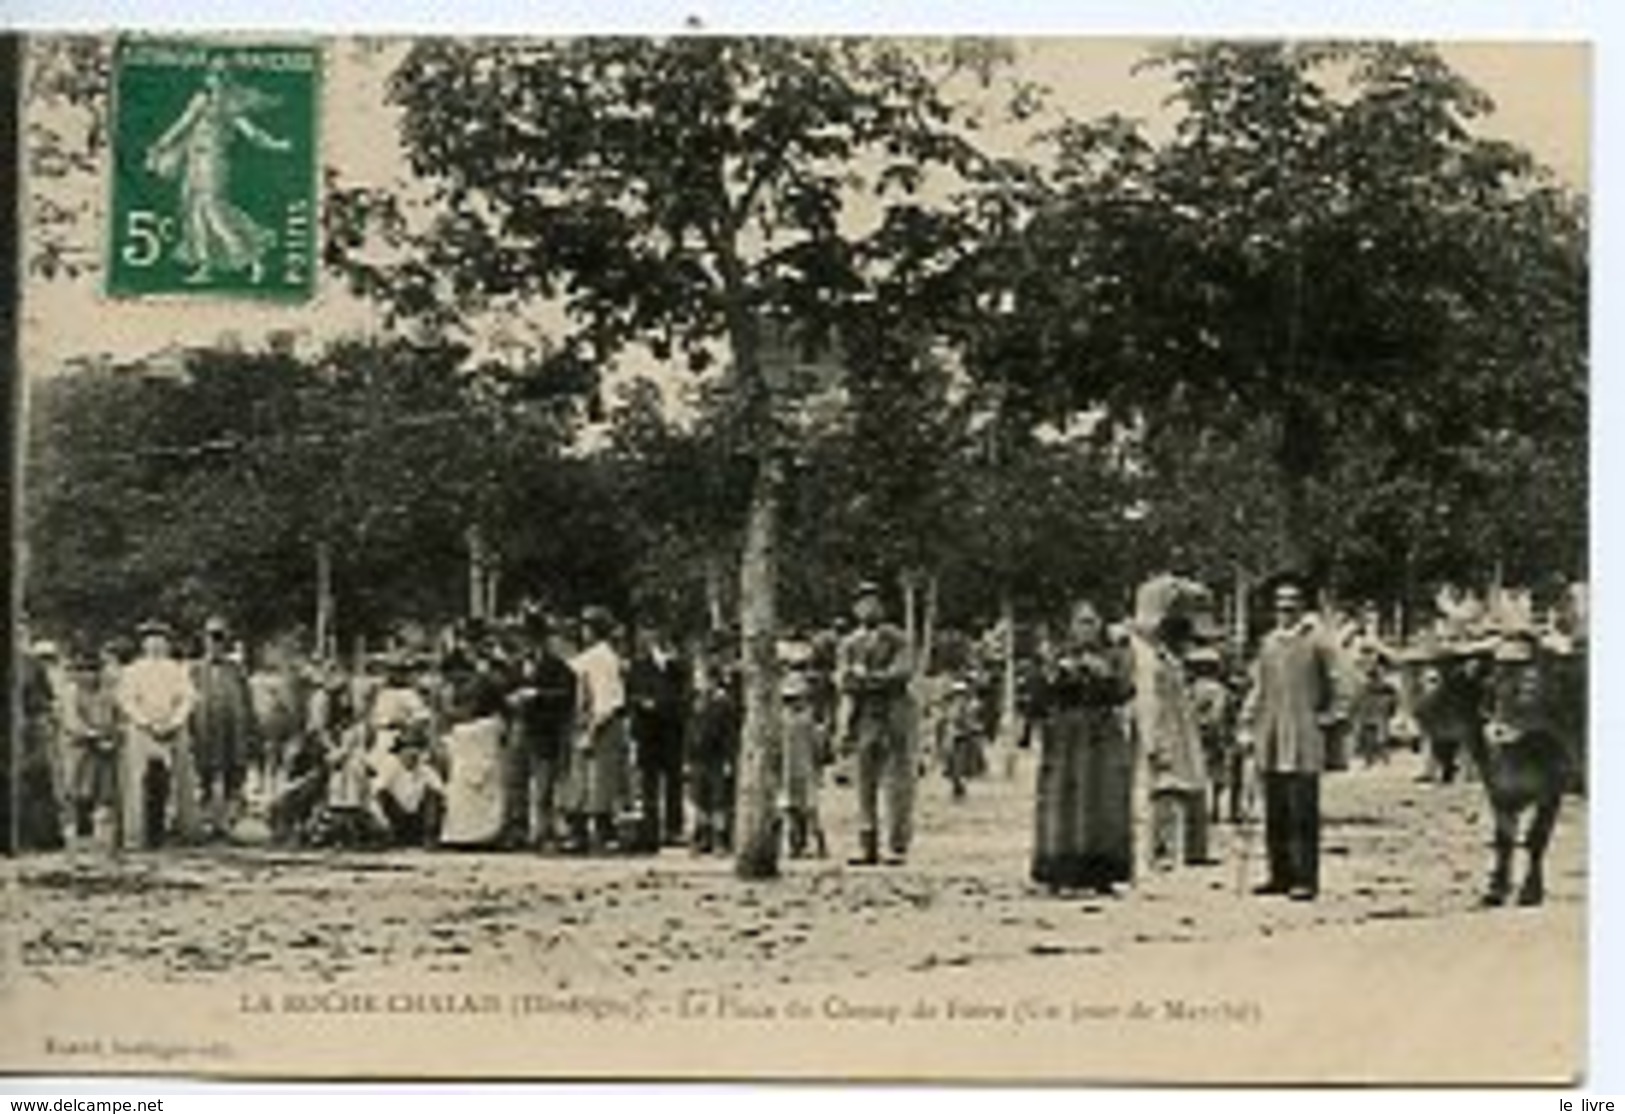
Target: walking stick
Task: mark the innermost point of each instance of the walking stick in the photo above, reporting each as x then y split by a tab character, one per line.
1244	859
1245	824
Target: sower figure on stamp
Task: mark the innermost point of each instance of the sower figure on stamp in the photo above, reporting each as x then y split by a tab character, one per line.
216	235
874	674
1291	701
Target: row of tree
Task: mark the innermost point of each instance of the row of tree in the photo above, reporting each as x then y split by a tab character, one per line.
1323	322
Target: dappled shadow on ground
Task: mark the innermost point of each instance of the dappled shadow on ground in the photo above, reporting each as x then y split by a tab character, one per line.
1394	849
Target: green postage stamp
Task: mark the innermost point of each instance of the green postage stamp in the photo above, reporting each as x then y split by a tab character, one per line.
214	169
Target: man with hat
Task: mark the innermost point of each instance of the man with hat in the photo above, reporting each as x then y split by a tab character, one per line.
1450	710
544	706
1374	702
37	823
223	728
155	699
598	765
959	735
802	750
657	685
90	722
397	705
873	674
58	751
411	795
716	719
1291	702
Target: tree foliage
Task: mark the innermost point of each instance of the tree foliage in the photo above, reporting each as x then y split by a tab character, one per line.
1325	250
1319	318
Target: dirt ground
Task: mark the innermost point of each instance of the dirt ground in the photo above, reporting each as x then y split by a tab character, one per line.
1403	860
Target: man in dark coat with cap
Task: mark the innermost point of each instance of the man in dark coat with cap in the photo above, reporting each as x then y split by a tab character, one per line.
223	728
545	709
657	687
873	674
38	820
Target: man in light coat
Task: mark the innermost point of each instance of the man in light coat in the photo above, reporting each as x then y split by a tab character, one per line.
873	672
1291	702
155	699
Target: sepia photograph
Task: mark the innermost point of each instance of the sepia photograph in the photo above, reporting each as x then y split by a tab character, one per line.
791	557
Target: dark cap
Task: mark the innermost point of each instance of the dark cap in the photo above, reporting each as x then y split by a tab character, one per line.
597	620
535	621
414	736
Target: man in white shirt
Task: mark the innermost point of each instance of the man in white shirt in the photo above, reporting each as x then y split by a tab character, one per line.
411	794
396	707
156	698
598	764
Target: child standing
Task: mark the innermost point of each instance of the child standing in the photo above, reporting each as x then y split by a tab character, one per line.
803	750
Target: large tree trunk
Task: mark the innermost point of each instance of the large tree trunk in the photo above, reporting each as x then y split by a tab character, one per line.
760	760
756	829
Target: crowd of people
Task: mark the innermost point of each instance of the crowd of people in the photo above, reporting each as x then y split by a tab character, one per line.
579	736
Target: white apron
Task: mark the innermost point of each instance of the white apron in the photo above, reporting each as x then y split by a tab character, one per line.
474	785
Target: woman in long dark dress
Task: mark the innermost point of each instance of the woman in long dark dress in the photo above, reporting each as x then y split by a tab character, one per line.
1085	775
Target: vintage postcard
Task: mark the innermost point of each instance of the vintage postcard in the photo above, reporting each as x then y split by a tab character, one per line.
1003	559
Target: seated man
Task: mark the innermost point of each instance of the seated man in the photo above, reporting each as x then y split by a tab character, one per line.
411	794
297	803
